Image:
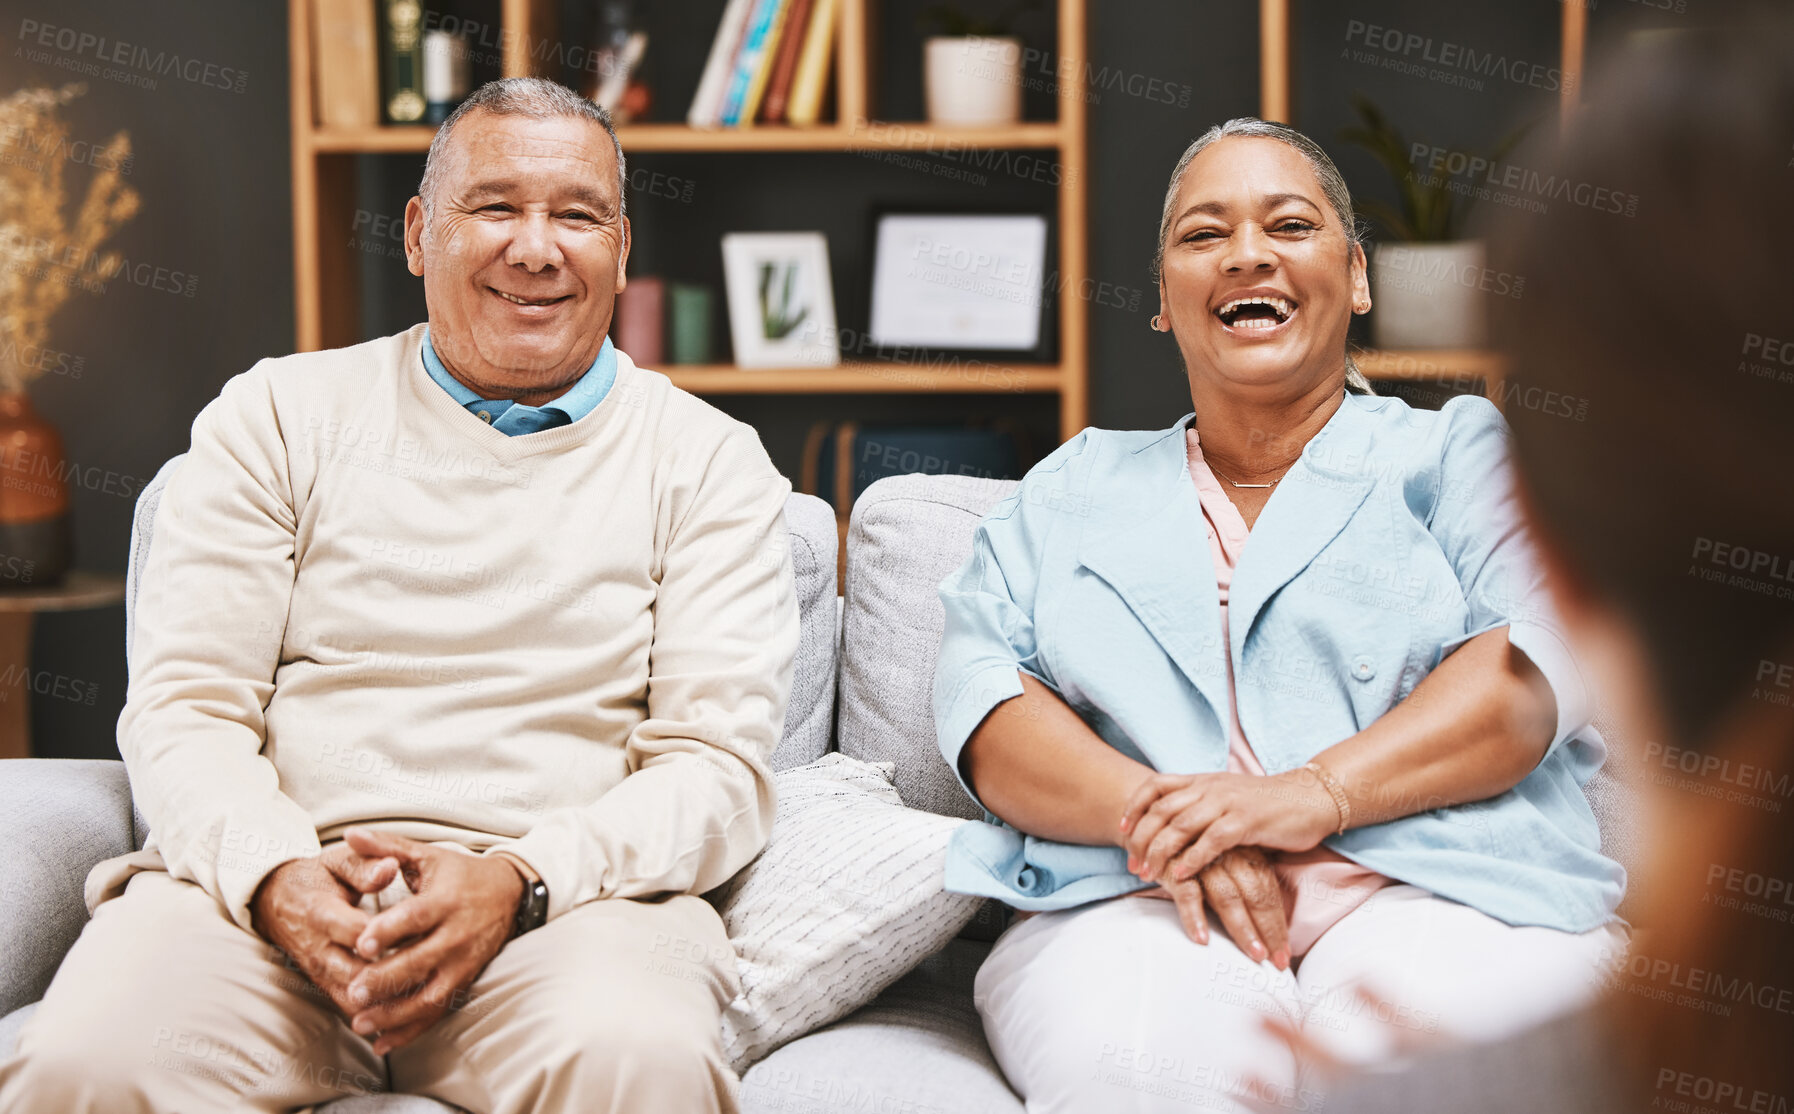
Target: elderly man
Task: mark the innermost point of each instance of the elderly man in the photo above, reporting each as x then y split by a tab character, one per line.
459	658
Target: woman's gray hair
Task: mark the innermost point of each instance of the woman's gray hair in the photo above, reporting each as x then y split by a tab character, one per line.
535	97
1333	185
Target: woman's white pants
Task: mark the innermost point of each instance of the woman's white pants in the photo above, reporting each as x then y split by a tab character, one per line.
1109	1007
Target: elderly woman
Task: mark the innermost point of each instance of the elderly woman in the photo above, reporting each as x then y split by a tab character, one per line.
1288	664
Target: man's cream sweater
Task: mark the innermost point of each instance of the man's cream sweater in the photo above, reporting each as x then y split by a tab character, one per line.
363	605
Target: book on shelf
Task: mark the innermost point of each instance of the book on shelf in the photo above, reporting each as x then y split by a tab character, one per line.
448	76
784	65
810	81
638	326
345	64
748	60
618	70
707	105
750	106
769	63
402	61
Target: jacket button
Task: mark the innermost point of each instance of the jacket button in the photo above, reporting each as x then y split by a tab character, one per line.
1363	669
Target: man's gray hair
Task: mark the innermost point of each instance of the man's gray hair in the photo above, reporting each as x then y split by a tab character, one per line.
1333	186
535	97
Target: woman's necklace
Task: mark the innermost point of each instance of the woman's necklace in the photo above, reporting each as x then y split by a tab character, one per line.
1212	468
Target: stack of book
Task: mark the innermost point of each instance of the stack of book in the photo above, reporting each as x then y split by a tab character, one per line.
370	67
768	64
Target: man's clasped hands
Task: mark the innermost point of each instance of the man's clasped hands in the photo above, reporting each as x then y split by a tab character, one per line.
395	973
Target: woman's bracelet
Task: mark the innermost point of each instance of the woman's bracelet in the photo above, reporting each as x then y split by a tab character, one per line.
1336	791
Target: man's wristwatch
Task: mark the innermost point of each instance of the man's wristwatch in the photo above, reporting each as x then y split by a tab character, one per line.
532	907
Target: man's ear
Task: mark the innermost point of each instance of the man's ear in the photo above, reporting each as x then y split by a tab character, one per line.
414	235
623	258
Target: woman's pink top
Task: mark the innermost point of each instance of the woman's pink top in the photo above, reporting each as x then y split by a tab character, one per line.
1319	886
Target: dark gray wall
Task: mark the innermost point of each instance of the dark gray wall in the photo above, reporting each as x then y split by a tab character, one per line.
1207	54
212	165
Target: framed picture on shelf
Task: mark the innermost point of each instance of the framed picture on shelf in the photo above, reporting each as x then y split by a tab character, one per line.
781	301
960	282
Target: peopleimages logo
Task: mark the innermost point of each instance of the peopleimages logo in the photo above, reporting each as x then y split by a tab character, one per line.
74	265
1756	562
1445	163
22	147
37	38
1412	53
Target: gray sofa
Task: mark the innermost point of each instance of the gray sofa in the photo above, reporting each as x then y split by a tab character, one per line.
864	677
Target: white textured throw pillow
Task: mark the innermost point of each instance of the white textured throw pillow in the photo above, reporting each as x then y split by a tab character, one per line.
845	899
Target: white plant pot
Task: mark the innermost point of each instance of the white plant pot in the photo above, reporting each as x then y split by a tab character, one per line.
1428	295
973	81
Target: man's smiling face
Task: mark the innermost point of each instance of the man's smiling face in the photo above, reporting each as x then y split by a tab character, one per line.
522	256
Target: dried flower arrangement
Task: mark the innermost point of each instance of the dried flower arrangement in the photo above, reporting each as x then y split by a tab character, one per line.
43	258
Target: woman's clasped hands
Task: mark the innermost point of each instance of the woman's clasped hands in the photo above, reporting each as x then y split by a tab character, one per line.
1176	824
1203	838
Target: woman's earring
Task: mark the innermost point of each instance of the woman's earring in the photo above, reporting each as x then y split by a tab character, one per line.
1158	323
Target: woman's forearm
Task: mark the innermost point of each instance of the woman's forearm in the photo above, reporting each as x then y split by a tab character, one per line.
1473	728
1041	768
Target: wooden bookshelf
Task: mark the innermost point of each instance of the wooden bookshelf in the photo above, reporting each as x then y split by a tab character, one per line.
1458	369
1430	363
893	136
868	378
325	287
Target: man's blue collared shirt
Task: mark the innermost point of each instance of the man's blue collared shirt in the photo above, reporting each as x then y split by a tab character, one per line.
514	419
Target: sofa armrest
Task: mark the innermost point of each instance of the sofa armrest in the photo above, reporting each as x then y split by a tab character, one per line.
58	818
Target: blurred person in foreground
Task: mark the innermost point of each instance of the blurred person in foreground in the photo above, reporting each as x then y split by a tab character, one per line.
1667	520
459	658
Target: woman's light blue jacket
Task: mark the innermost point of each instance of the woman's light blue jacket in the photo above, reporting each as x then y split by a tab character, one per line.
1396	537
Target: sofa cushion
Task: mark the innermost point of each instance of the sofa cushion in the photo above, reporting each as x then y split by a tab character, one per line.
143	530
810	715
58	817
810	523
907	534
918	1047
10	1026
845	899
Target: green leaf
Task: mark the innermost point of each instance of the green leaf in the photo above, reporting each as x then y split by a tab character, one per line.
1430	210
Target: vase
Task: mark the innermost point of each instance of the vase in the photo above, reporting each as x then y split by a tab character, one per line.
1428	295
35	540
973	81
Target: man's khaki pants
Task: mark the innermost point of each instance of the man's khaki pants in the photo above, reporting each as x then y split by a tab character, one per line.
165	1006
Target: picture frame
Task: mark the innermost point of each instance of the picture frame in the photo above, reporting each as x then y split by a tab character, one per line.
781	299
961	281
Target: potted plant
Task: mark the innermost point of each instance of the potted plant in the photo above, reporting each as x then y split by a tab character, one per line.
44	259
972	67
1426	285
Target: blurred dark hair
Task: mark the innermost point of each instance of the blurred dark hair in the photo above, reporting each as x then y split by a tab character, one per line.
1654	322
1653	318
